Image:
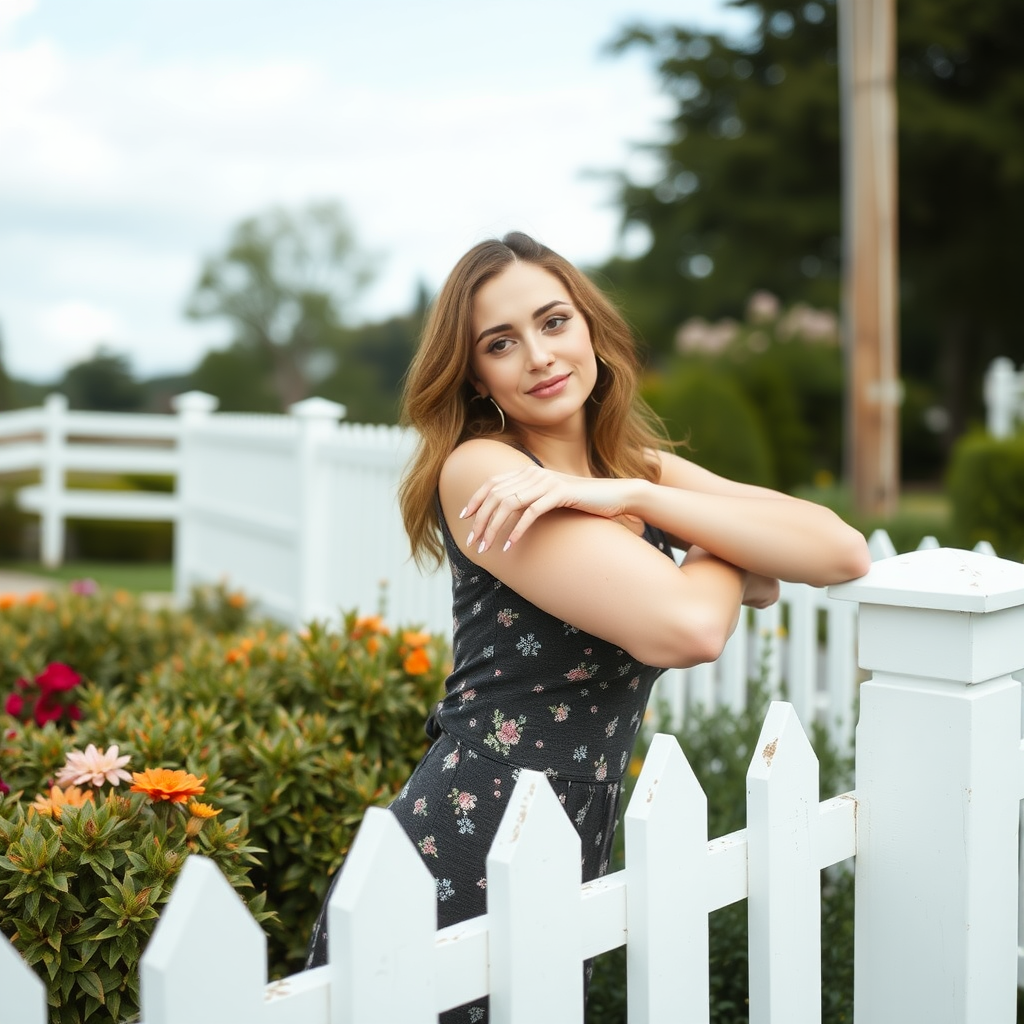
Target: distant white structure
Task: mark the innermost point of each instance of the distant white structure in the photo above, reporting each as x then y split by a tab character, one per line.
1004	397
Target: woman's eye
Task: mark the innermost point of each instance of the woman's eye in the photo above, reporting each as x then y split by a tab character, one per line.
499	345
554	322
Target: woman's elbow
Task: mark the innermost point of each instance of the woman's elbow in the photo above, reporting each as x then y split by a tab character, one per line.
699	640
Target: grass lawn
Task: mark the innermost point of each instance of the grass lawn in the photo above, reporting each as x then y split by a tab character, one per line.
137	577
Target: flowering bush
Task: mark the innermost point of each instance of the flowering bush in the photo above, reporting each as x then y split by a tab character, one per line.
290	737
83	872
48	698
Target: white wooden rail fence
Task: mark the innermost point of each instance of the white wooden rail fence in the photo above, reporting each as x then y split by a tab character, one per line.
932	824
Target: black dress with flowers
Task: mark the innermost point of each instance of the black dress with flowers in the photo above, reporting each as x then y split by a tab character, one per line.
526	690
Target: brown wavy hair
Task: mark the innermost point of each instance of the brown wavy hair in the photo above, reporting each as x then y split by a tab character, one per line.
441	404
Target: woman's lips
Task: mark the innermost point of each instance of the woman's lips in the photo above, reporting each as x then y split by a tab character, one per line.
547	388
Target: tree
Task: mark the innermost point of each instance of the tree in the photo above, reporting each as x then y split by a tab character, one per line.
286	284
105	383
748	190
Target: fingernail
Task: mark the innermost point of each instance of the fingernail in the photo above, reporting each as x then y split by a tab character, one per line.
469	539
462	514
480	550
508	544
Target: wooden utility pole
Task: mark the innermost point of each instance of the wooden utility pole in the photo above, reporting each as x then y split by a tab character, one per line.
867	47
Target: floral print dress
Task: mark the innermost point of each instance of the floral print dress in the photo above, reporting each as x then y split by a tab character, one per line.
526	690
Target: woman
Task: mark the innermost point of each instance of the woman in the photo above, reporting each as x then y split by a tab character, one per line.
543	479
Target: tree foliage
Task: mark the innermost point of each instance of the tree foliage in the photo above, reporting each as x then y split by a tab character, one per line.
104	382
748	188
286	283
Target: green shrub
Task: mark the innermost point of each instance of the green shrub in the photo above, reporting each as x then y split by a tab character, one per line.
719	746
986	489
83	874
293	737
708	409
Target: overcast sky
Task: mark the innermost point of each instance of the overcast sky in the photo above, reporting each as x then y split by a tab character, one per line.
135	133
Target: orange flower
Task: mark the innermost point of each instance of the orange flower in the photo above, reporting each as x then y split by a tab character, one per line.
165	784
416	639
198	810
52	803
368	624
235	655
373	645
417	662
8	601
236	600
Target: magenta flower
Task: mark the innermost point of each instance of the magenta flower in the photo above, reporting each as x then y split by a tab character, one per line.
85	587
57	676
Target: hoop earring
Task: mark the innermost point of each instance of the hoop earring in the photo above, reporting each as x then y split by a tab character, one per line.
500	413
478	398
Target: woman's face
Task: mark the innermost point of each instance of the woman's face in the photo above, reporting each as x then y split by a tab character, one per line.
531	350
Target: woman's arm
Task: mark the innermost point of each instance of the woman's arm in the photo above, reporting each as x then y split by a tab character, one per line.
590	570
762	531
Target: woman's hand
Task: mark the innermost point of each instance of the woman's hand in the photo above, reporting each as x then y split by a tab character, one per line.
511	502
760	591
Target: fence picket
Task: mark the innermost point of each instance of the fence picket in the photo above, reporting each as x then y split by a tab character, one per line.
24	994
667	912
784	900
207	960
382	921
533	901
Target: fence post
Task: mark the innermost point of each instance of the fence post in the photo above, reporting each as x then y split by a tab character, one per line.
938	788
317	419
1001	397
51	516
193	408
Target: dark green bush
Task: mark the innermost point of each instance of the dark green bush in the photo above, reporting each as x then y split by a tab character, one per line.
707	408
986	489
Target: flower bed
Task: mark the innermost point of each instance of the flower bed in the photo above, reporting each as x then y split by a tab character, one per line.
131	738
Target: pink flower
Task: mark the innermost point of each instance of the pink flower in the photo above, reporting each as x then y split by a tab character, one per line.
467	801
94	767
508	733
14	704
57	676
84	588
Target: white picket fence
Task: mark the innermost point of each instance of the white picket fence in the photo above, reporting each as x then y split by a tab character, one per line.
933	825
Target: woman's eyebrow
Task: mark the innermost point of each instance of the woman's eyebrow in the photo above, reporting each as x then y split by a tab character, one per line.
536	314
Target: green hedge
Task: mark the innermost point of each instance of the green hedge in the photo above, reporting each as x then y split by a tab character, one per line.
291	736
986	489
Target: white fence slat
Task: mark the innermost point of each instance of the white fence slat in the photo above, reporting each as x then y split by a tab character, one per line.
206	962
733	666
667	916
382	921
802	644
533	902
880	545
23	999
768	623
841	672
784	902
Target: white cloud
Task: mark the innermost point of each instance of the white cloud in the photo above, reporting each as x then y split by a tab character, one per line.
133	157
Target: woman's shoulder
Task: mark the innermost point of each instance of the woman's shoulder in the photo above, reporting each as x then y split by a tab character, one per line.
483	457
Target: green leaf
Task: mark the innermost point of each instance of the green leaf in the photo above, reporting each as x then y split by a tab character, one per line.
90	982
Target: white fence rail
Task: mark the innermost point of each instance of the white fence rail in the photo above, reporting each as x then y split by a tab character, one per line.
932	824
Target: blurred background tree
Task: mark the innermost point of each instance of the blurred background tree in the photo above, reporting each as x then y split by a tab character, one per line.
286	283
105	382
747	193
